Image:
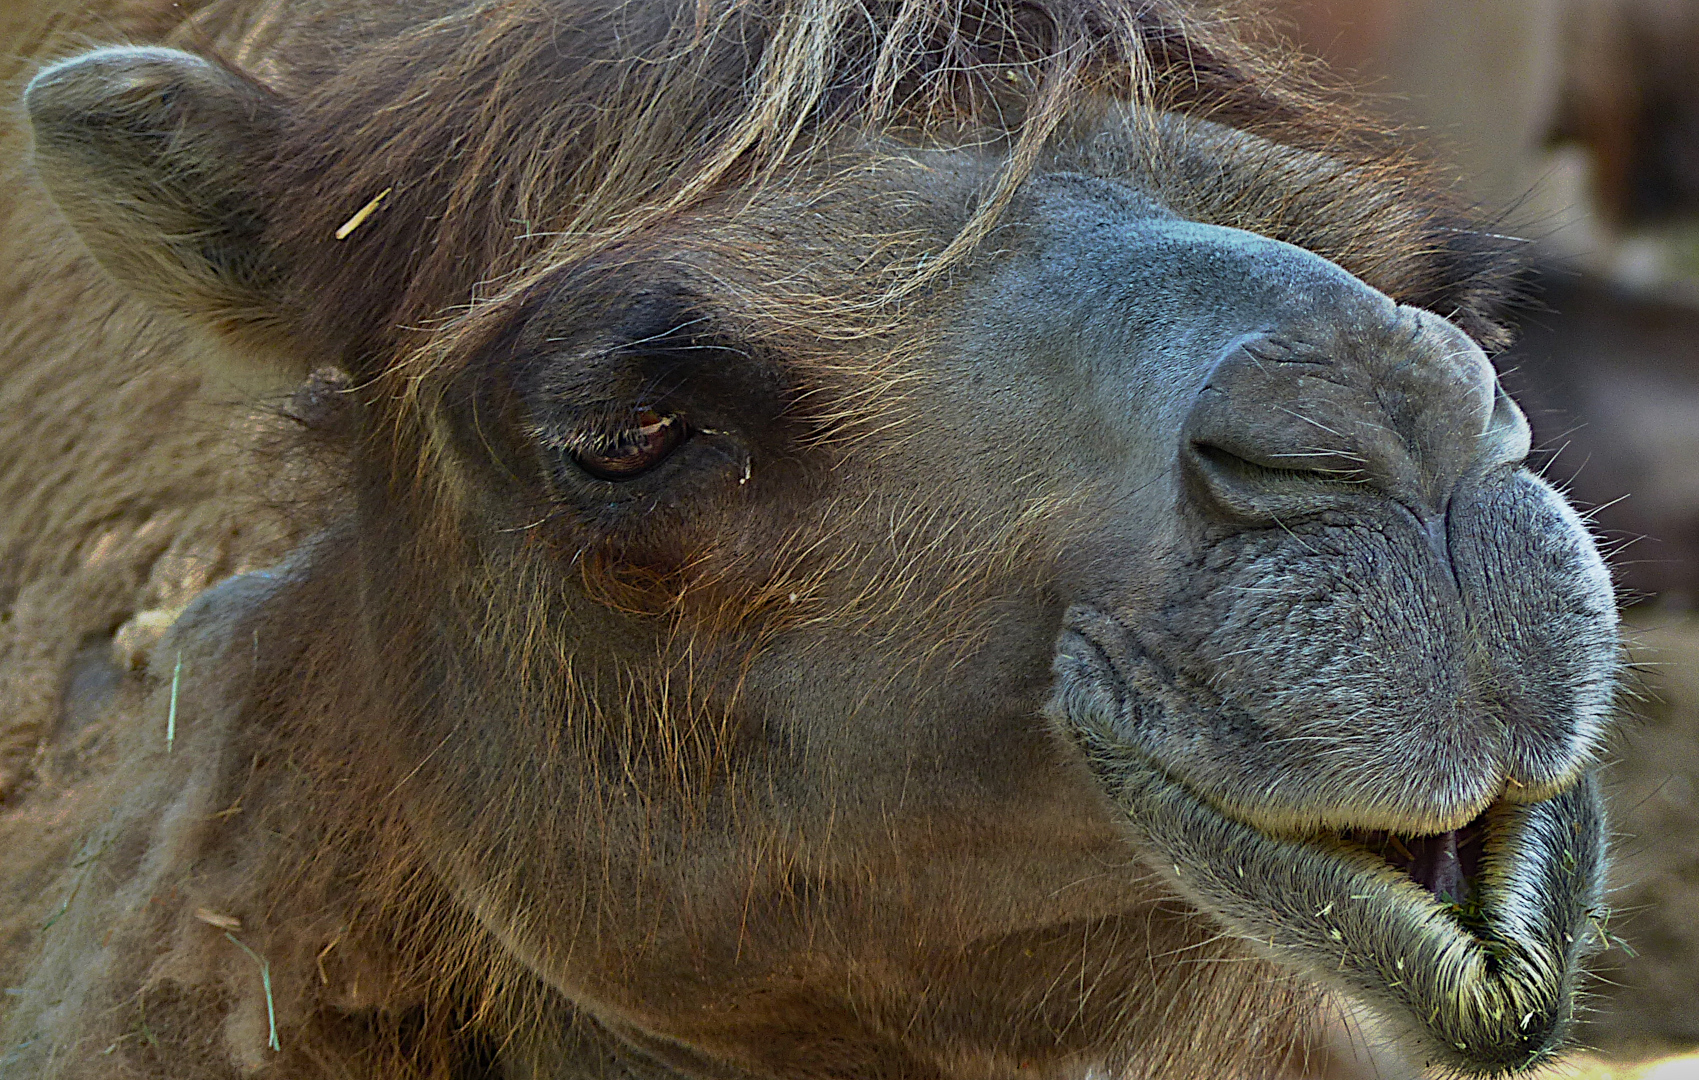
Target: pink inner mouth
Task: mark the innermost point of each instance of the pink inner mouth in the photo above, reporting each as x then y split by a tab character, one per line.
1446	864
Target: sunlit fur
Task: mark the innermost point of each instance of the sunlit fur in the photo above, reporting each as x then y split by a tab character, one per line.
778	761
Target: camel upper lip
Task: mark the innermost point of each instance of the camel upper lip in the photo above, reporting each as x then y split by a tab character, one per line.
1450	769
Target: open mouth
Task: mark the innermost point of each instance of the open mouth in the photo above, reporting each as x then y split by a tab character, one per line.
1471	941
1447	865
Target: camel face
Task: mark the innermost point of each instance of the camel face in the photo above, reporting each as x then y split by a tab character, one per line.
780	638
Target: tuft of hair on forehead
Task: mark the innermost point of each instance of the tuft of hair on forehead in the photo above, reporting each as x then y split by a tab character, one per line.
480	149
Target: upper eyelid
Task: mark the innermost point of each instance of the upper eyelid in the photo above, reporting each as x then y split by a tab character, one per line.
641	356
659	337
652	346
662	384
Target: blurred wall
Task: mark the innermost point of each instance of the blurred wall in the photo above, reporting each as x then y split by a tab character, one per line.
1577	116
1481	76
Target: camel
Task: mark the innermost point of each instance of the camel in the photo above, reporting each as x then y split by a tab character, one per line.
767	538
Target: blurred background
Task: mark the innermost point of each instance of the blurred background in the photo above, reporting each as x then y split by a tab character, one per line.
1577	122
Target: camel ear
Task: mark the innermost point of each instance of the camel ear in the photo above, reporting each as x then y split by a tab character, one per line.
152	154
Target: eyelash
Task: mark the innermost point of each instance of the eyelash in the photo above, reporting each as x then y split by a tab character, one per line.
619	454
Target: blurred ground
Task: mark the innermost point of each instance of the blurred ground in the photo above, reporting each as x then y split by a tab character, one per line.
1654	791
1684	1067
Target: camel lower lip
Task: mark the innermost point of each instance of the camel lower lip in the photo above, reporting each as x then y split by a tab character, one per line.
1485	983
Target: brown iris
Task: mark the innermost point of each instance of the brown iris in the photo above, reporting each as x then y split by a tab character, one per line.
632	451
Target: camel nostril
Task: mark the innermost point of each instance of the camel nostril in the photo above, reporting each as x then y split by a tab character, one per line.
1246	485
1253	467
1404	409
1275	466
1273	433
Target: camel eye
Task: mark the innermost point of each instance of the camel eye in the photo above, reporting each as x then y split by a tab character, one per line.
631	451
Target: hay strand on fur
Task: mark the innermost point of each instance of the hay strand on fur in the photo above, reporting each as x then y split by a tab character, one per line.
213	918
362	214
171	713
265	980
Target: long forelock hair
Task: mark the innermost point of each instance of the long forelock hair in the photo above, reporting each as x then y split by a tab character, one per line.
515	137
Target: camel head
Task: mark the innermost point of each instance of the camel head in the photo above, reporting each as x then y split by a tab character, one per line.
823	596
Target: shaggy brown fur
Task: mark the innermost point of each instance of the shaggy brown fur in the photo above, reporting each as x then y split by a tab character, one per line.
528	153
